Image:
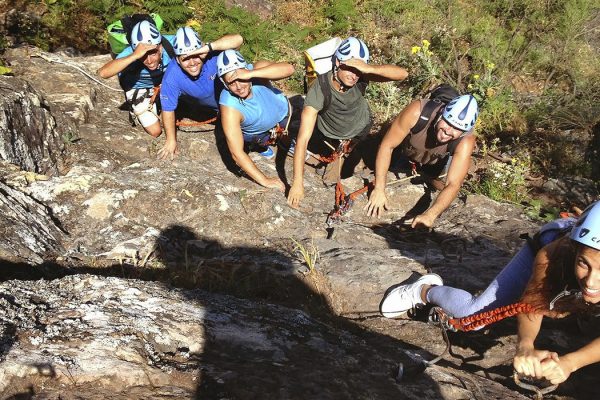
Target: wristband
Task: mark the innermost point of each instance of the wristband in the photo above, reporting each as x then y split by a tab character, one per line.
210	49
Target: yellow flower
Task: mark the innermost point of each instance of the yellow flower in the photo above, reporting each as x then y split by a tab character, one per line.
476	76
426	44
415	49
429	53
194	24
491	65
490	92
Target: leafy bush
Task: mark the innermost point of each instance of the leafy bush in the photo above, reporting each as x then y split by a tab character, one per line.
503	181
532	65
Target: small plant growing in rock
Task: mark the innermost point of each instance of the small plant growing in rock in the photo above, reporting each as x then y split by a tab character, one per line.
4	70
308	254
70	137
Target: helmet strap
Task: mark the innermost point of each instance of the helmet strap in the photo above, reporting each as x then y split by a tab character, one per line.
343	87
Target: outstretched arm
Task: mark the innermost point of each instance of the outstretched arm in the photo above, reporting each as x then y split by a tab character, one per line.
459	167
378	73
232	41
265	71
558	369
307	125
170	148
528	360
394	136
231	120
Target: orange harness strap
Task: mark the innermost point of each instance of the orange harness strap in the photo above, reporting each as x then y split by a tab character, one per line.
476	321
153	98
343	203
196	123
345	147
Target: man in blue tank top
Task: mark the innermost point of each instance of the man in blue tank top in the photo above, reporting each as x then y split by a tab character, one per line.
194	74
251	109
140	68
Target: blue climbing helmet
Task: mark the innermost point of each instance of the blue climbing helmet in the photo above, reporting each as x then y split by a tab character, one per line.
587	229
461	112
186	41
352	48
144	32
229	60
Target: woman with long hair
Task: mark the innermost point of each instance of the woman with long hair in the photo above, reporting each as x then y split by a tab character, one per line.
556	274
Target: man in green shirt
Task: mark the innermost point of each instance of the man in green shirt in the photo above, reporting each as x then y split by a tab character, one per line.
335	108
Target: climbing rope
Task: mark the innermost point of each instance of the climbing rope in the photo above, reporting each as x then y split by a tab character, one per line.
343	203
539	392
56	59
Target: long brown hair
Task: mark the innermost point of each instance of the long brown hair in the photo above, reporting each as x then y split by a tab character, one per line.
556	273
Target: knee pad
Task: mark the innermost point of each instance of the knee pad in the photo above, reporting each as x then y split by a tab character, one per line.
146	114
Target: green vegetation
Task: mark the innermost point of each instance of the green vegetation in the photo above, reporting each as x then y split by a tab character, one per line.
308	254
534	66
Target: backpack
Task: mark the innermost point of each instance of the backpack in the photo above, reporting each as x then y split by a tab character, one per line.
119	32
558	227
317	60
441	94
317	63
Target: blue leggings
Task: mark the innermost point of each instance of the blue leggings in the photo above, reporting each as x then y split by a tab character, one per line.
506	288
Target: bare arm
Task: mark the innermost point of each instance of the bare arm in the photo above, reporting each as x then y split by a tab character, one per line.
558	369
394	136
307	125
528	360
170	149
264	70
231	41
459	167
117	65
231	120
378	73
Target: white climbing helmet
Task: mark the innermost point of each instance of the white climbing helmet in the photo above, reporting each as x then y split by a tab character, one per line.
186	41
144	32
230	60
587	229
461	112
352	48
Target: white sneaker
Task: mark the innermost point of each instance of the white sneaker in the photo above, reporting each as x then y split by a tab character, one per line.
402	298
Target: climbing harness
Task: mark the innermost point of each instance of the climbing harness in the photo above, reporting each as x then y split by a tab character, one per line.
343	148
344	202
56	59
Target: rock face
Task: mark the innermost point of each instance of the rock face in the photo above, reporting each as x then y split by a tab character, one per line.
131	339
30	233
28	133
194	287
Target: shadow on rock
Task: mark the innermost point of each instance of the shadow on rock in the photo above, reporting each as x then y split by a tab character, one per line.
283	340
262	328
